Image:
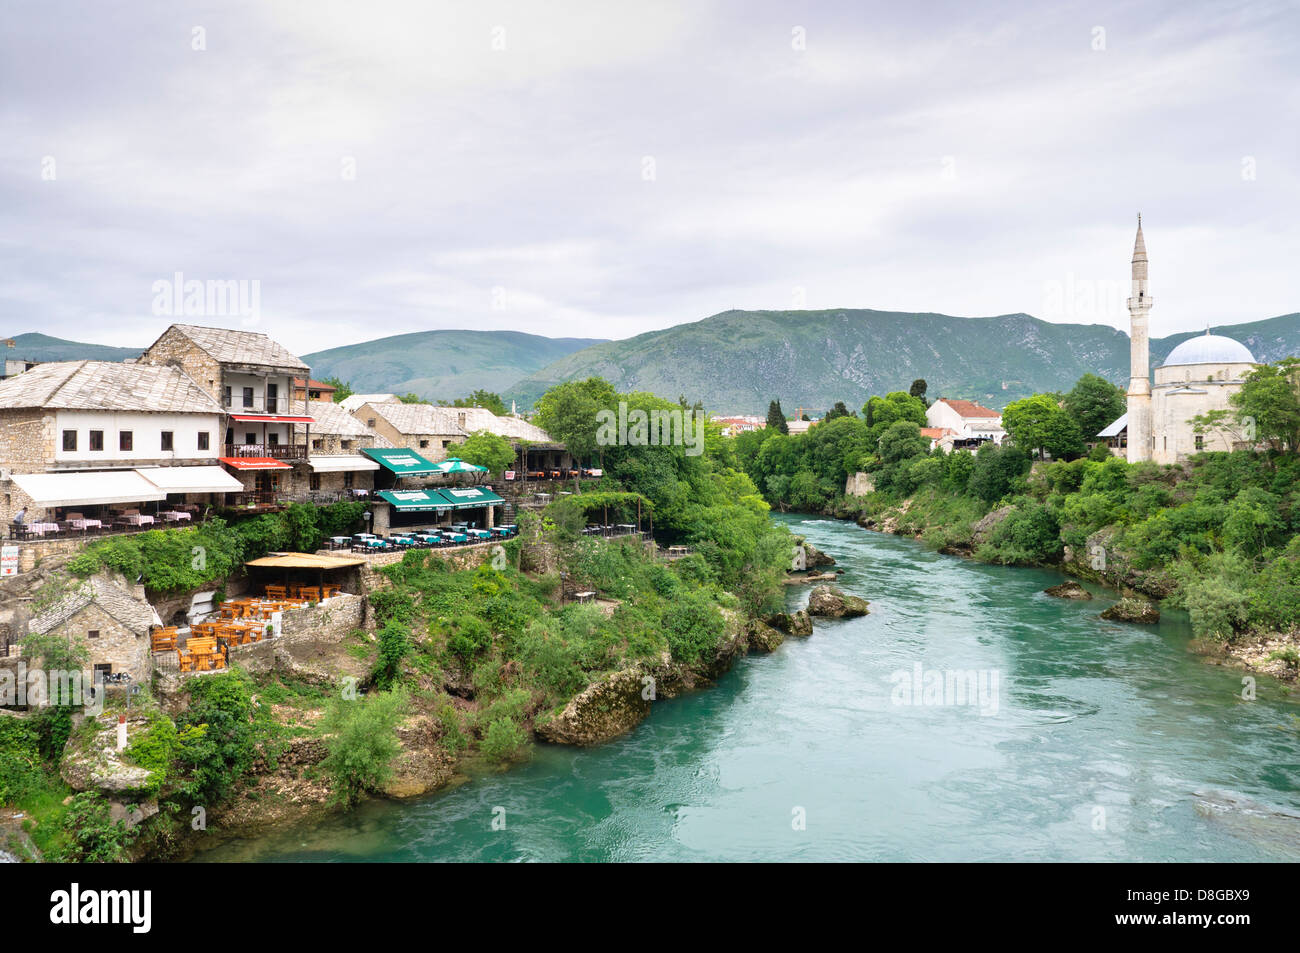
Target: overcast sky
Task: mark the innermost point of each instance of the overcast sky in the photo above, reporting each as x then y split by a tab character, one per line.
606	168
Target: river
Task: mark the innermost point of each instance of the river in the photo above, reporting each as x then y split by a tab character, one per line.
1097	741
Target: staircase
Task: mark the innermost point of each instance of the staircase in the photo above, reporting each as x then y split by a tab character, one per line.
505	513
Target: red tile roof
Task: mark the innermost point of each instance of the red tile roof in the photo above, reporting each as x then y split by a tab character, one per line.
936	433
968	408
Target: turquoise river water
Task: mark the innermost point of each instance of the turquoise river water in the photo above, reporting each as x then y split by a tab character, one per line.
1091	741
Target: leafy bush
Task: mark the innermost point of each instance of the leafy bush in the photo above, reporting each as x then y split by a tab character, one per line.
362	743
503	740
693	627
94	836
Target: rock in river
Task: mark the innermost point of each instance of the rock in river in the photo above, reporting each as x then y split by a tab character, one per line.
1130	609
1068	590
763	637
829	601
604	710
791	623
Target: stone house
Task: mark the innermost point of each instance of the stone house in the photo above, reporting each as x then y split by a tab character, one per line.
335	468
424	428
79	436
111	621
252	377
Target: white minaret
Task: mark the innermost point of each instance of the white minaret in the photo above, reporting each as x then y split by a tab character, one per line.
1139	385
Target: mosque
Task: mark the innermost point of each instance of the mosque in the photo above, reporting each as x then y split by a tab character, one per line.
1199	375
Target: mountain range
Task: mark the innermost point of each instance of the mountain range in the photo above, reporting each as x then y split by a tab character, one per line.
442	365
737	361
42	347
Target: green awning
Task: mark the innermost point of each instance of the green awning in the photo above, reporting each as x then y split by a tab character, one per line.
415	501
401	461
464	497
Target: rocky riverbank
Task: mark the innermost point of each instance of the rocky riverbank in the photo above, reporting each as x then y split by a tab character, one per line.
1101	561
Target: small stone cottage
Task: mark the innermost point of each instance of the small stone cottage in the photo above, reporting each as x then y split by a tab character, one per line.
111	620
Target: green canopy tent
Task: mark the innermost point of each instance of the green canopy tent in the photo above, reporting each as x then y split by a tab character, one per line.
457	465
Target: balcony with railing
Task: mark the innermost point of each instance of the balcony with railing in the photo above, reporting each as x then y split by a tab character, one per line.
276	451
238	403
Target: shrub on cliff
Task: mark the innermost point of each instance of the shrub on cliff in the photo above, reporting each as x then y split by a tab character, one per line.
693	627
362	743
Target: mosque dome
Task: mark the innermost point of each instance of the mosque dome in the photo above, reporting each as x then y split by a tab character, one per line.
1209	349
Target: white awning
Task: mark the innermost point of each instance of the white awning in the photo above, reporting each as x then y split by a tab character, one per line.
341	462
1116	427
191	479
86	488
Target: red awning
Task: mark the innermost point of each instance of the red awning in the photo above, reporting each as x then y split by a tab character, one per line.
255	463
272	419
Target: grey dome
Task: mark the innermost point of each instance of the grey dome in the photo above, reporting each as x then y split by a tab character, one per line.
1209	349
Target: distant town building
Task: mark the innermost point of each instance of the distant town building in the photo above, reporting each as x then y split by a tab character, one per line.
970	423
731	426
304	390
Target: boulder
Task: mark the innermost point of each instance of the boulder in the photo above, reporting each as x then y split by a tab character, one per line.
983	530
792	623
830	602
1068	590
602	711
1130	609
763	637
816	557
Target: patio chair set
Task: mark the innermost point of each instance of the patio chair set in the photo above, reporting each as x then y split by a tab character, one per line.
427	538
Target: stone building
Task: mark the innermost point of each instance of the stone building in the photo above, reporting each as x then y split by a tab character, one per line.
335	467
252	377
1198	376
112	622
427	429
79	436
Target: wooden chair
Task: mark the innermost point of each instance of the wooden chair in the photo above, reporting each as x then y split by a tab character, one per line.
329	592
309	593
203	630
164	639
185	660
276	592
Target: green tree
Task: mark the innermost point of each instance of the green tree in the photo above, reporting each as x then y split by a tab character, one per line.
1038	423
899	445
776	419
342	390
569	412
1094	403
839	410
1270	397
996	470
882	412
411	398
487	450
918	389
485	399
